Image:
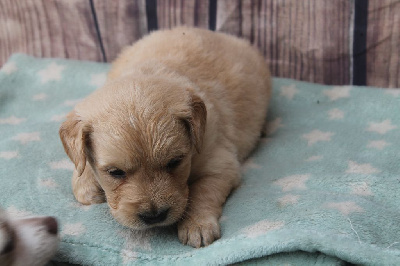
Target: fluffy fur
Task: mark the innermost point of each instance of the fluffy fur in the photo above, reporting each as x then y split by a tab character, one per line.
162	141
29	241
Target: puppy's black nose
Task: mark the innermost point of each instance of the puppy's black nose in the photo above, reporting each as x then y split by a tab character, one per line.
51	225
155	216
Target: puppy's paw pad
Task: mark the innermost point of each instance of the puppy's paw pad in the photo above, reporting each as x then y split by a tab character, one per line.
197	233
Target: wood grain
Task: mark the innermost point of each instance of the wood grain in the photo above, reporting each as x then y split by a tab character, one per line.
172	13
121	23
49	28
78	30
305	40
383	44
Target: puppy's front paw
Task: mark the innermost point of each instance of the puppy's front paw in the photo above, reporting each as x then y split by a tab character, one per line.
197	231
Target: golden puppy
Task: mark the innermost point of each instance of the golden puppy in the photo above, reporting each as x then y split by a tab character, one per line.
162	141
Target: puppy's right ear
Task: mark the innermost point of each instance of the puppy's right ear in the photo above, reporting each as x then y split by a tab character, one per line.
74	134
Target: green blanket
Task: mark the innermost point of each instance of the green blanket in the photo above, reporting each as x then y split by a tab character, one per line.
322	188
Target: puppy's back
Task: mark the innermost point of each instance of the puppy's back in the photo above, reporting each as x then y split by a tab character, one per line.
230	73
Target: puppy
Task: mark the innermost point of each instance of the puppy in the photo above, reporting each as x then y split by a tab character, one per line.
28	241
162	141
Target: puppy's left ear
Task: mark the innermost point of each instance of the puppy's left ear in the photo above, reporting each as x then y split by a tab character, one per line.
74	134
196	122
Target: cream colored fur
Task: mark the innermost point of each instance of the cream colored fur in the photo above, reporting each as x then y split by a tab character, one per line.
183	94
29	241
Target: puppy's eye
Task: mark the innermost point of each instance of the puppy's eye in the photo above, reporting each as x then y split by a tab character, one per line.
174	163
117	173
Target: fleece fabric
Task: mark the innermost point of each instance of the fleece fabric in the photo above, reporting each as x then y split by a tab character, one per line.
321	188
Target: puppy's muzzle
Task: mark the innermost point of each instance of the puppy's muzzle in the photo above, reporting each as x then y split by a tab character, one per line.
154	216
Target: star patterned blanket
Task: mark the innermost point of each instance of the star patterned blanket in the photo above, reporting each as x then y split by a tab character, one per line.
321	188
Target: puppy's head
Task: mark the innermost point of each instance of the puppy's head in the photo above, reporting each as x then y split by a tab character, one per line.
139	137
28	241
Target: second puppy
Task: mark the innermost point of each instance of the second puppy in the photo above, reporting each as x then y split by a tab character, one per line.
27	241
162	141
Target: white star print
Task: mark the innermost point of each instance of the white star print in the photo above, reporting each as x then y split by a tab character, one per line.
273	126
262	227
98	80
73	229
289	91
288	199
48	183
81	206
338	92
8	154
52	72
63	164
336	114
345	207
355	168
382	127
393	92
378	144
17	213
24	138
9	68
133	240
12	120
250	164
314	158
39	97
293	182
361	188
316	136
58	118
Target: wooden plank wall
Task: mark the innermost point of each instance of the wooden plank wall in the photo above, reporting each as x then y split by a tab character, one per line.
48	29
310	40
383	43
172	13
70	29
297	37
120	23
